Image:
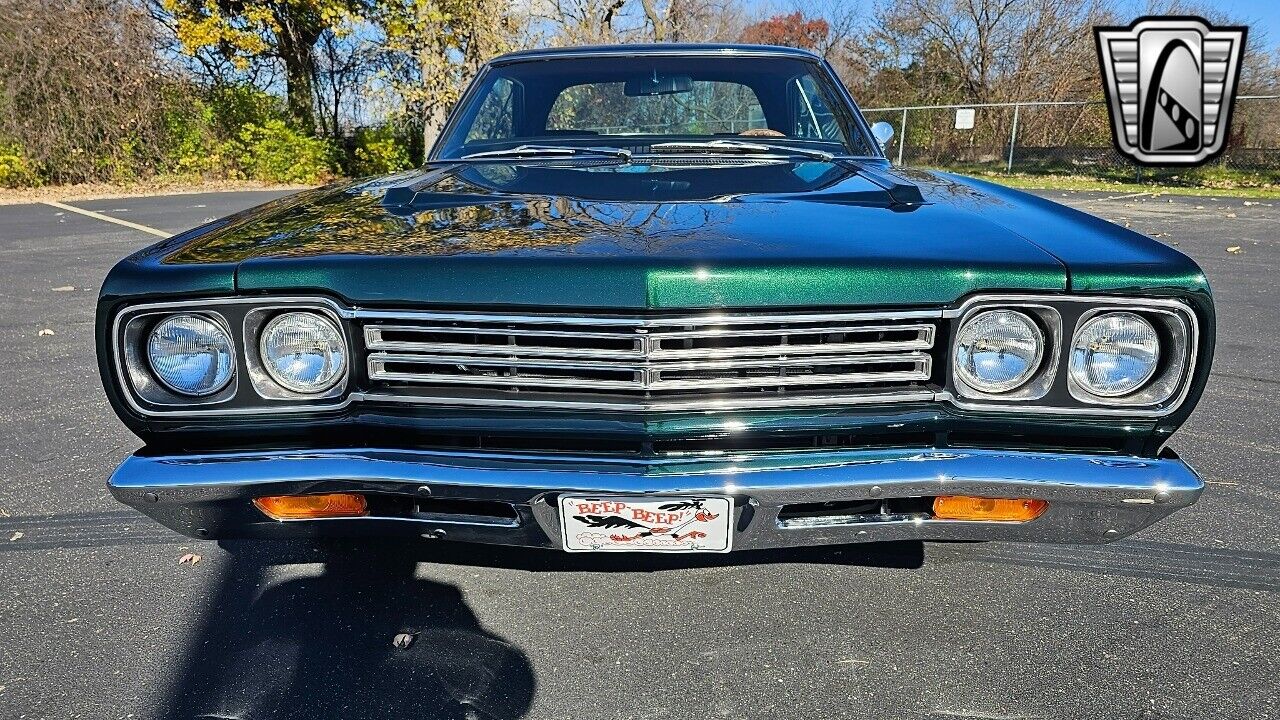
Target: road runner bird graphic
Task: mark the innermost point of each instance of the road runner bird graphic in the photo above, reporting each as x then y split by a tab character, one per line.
1170	84
676	513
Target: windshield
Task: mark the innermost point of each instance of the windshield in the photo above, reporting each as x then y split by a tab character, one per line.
634	102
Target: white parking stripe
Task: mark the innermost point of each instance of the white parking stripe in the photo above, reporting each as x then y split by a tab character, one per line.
108	218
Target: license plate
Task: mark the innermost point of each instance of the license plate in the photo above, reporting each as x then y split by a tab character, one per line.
604	523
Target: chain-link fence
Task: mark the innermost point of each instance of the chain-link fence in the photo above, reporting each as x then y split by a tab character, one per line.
1066	138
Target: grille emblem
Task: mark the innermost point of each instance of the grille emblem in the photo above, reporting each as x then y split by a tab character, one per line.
1170	84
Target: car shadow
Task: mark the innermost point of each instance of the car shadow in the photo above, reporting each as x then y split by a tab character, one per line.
320	641
900	555
308	630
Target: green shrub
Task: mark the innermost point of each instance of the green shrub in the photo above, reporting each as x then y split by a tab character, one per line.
275	152
378	151
211	132
15	172
231	107
190	143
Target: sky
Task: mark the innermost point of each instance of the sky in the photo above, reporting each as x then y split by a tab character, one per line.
1260	14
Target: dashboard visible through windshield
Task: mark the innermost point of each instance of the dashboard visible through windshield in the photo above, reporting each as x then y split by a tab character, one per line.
636	102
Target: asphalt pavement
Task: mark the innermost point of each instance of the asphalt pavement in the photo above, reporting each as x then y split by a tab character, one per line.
104	614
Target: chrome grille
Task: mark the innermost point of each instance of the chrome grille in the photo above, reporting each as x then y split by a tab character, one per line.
674	362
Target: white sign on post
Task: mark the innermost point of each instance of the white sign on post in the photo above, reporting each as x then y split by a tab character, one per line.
964	118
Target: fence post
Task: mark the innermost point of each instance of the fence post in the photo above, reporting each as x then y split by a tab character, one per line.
1013	138
902	141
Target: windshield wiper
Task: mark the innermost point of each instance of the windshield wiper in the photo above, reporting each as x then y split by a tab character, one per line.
739	147
549	151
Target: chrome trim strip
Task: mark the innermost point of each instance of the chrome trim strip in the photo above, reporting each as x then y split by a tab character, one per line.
375	339
623	367
697	405
676	51
717	317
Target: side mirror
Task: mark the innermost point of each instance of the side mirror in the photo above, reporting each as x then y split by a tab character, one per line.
883	133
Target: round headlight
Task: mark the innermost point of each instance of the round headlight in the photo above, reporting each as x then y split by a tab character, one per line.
1114	354
191	355
303	352
998	350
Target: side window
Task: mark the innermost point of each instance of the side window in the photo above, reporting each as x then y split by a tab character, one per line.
814	118
496	118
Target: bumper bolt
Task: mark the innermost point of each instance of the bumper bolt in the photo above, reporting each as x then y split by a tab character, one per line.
876	491
433	535
424	490
1163	497
151	497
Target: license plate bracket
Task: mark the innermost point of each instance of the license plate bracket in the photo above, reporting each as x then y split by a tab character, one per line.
646	523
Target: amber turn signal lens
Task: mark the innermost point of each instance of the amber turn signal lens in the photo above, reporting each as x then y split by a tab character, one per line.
307	507
965	507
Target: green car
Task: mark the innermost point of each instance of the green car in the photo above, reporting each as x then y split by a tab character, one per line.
666	298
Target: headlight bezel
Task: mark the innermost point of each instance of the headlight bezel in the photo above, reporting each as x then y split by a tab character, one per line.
136	371
219	327
1175	319
1174	364
264	382
144	396
1046	319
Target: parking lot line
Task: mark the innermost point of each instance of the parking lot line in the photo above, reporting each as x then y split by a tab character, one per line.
107	218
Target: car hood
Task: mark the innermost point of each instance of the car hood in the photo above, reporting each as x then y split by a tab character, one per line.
799	234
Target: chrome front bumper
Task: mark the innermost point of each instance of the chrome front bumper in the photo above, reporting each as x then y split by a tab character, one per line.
1092	499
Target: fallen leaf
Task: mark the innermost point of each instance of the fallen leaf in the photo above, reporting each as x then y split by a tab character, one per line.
64	288
1199	207
1247	203
189	559
46	332
403	640
1234	249
16	536
1231	214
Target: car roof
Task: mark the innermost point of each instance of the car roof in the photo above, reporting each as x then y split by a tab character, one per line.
724	49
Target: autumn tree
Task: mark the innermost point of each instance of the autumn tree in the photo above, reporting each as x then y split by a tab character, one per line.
793	30
431	48
82	94
998	50
243	31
